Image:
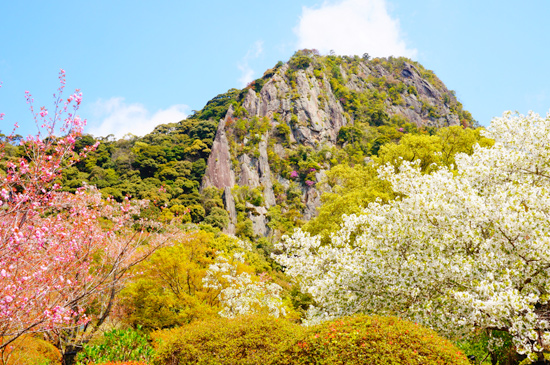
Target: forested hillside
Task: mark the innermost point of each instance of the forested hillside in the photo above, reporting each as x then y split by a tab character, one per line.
254	162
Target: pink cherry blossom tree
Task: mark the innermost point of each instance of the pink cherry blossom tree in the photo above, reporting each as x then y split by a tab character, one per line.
63	257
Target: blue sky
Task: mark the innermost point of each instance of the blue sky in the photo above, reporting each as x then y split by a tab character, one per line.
142	63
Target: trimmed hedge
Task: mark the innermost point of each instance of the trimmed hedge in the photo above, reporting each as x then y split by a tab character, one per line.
265	340
372	340
245	340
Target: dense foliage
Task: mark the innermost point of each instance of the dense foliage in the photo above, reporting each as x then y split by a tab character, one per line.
264	340
245	340
461	249
31	350
167	165
371	340
197	278
117	345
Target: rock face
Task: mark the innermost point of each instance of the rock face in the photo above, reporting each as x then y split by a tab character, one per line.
218	169
304	103
229	203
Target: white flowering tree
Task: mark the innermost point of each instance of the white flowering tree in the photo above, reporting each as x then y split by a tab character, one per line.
240	293
462	249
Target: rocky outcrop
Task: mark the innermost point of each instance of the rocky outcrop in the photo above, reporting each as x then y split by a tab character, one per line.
229	203
305	101
218	169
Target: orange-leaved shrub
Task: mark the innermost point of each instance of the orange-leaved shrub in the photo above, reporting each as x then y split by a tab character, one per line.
371	340
30	350
243	340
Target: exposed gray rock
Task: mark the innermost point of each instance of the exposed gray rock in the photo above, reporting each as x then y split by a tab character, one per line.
229	203
313	201
270	101
258	217
249	172
279	150
320	115
218	170
265	173
251	103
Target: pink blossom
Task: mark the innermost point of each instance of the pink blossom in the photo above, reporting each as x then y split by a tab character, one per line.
309	183
294	174
46	258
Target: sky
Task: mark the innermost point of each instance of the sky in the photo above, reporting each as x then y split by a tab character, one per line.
143	63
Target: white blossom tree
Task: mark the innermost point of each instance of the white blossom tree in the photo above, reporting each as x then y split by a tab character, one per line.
462	248
239	292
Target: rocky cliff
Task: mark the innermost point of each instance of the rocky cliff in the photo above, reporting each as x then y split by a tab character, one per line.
284	130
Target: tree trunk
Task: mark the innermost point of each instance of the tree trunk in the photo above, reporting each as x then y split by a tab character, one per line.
69	355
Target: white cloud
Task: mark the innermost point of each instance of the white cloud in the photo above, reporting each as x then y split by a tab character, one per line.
114	116
352	27
247	73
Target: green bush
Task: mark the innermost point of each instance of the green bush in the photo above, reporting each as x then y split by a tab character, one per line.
245	340
300	62
502	352
117	345
218	217
371	340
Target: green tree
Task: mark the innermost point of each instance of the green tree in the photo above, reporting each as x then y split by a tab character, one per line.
168	291
411	148
457	139
351	189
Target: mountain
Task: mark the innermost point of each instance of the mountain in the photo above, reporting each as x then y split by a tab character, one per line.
286	128
251	160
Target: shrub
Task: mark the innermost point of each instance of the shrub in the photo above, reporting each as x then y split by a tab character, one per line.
244	340
31	350
218	217
371	340
300	62
117	345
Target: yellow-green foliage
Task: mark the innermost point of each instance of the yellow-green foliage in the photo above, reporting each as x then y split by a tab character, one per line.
411	148
456	139
352	189
30	350
245	340
121	363
167	289
440	149
265	340
372	340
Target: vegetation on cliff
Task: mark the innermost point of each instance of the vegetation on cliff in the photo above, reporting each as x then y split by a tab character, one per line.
313	113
